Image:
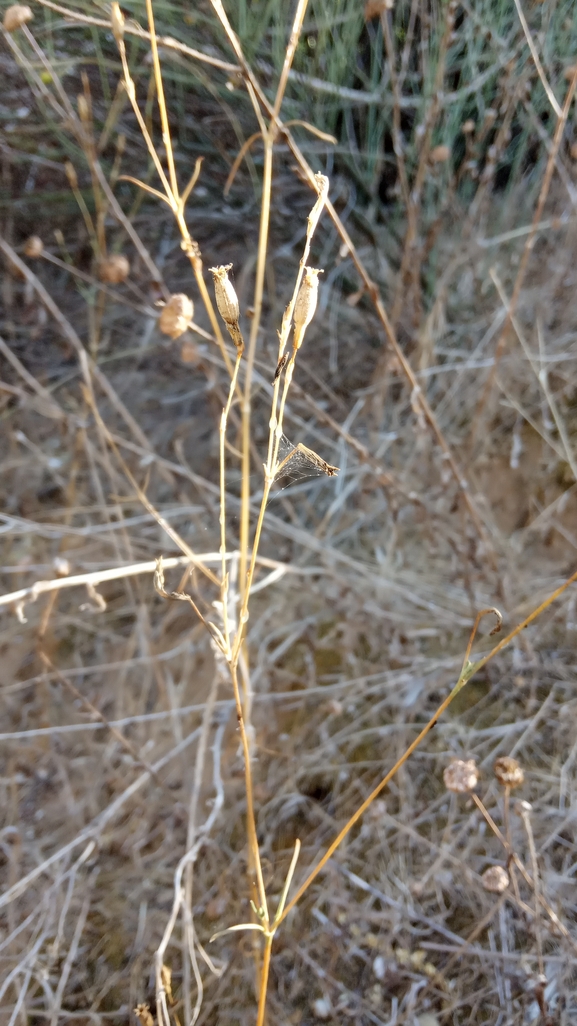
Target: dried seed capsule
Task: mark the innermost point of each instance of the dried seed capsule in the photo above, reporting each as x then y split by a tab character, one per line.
495	879
16	16
61	566
227	302
117	19
114	269
460	776
509	772
467	127
176	315
33	247
306	303
439	154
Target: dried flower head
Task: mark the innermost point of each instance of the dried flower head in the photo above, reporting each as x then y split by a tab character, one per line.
227	302
306	303
33	246
117	19
16	16
143	1014
61	566
460	776
509	772
176	315
495	879
114	269
468	126
439	154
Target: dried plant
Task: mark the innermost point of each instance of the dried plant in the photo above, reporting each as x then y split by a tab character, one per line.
233	583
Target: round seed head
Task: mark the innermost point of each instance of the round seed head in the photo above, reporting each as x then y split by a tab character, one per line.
306	302
33	246
114	269
439	154
176	315
16	16
495	879
468	127
509	772
460	776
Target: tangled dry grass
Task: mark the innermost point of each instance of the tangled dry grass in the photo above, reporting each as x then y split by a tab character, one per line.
454	425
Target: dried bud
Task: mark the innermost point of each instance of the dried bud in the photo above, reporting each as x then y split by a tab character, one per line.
114	269
71	174
142	1013
509	772
461	777
166	978
227	302
306	303
468	127
33	247
439	154
495	879
16	16
61	566
177	314
117	19
83	110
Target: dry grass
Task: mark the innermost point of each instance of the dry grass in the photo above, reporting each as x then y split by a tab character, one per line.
449	406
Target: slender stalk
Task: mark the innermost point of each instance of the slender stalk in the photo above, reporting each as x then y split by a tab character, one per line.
166	138
222	514
251	352
263	983
250	819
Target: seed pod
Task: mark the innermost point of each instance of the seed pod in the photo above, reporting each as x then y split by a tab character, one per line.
495	879
439	154
509	772
461	777
227	303
468	127
176	315
114	269
83	111
306	303
117	19
16	16
33	247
